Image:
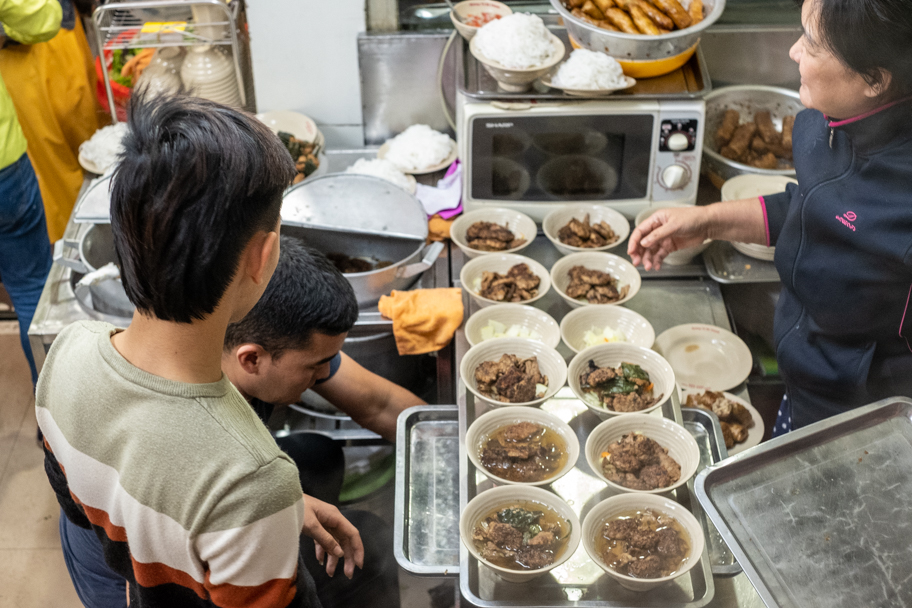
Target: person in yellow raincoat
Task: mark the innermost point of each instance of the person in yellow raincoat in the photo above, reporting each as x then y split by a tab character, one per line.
52	85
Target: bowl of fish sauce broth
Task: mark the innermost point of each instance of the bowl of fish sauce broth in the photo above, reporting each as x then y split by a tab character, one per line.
522	446
642	540
520	532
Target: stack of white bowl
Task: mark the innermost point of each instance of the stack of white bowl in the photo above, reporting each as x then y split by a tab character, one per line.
162	76
208	72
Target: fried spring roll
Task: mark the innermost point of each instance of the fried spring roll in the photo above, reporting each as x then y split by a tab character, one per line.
787	124
576	3
621	20
581	15
695	10
767	161
673	9
662	30
642	20
759	146
725	131
742	138
604	5
781	151
765	127
606	25
727	152
658	17
592	10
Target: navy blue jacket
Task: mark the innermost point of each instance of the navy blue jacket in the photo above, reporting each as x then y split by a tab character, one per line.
843	240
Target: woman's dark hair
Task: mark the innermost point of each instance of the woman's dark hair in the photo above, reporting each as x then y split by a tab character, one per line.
195	182
307	294
869	36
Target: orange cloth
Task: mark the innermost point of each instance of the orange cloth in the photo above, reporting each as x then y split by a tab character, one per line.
439	228
424	320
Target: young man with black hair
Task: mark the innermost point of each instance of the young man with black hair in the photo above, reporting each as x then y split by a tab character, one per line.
149	447
292	339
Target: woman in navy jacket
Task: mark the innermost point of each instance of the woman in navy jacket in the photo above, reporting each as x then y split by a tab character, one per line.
843	234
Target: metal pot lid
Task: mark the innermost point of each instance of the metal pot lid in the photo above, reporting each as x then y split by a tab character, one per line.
95	205
345	202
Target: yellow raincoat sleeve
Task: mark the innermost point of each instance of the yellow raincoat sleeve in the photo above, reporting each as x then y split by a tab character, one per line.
30	21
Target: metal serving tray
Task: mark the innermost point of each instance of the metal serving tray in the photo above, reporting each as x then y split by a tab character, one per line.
579	581
822	517
704	426
689	81
426	529
726	264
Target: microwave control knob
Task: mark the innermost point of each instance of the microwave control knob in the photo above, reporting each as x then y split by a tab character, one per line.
675	177
678	141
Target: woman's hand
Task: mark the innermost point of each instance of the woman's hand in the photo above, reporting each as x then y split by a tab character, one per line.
334	536
665	231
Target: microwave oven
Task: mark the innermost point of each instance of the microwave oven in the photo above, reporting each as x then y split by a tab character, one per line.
629	154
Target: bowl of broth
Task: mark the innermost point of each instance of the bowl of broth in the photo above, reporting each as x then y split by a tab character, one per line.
521	445
520	532
642	540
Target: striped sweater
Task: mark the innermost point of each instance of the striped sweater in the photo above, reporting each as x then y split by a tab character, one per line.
192	500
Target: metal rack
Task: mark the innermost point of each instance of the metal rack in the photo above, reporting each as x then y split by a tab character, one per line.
176	23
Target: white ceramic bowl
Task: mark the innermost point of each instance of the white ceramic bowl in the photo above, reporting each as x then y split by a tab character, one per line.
519	223
625	503
504	496
486	424
514	314
518	80
681	256
634	326
299	125
473	270
612	355
550	362
560	217
619	268
463	10
680	445
751	185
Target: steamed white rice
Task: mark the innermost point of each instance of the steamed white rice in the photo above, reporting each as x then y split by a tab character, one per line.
382	168
103	148
589	70
519	41
418	148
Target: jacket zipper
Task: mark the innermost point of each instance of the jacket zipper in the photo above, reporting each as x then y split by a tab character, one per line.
807	197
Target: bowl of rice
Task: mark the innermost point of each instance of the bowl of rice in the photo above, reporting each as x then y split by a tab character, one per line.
516	50
419	149
384	169
100	152
471	15
587	73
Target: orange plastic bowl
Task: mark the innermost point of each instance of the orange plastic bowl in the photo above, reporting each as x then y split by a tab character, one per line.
649	68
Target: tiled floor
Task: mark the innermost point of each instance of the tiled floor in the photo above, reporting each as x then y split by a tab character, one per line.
32	572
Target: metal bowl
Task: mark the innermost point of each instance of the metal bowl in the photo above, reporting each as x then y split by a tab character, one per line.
635	47
746	99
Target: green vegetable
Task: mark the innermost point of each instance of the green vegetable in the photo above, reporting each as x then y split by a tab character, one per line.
119	58
634	371
520	519
621	386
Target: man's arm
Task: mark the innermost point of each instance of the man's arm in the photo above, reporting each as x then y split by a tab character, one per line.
30	21
373	402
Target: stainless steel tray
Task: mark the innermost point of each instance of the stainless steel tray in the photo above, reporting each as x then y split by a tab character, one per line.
823	516
689	81
426	529
578	582
726	264
704	426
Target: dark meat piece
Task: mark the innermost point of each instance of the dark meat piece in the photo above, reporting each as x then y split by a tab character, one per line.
514	381
727	435
669	464
542	539
655	476
585	235
671	544
725	131
646	540
649	567
632	402
741	415
534	557
603	294
580	229
600	375
578	290
489	245
515	387
592	277
516	243
739	433
492	552
621	529
603	229
522	431
488	230
348	265
530	367
519	284
566	236
488	372
504	535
